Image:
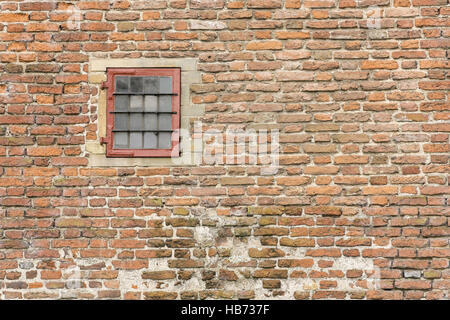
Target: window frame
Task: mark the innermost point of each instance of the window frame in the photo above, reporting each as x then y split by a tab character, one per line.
109	85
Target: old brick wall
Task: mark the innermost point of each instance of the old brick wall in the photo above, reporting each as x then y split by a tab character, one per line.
358	206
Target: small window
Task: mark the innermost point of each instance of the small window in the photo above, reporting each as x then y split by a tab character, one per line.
143	112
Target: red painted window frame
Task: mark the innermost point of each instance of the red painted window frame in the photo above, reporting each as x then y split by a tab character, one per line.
175	73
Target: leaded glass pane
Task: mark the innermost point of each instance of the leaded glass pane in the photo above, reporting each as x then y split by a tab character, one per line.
164	121
122	83
164	140
165	85
136	84
122	102
165	103
121	121
151	103
150	140
151	121
151	84
121	140
136	102
135	140
136	121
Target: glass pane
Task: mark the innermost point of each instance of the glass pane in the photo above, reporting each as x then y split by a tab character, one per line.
151	103
120	121
165	85
136	102
122	84
165	121
135	140
121	103
164	140
151	85
150	140
136	84
151	122
136	121
121	140
165	103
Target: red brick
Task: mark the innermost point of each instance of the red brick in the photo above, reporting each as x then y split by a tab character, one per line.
362	167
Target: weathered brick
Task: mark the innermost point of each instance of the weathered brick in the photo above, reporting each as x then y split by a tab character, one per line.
359	168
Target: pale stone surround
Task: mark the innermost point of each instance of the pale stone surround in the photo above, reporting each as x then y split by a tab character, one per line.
189	112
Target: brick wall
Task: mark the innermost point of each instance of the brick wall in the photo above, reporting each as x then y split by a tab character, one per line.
358	205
